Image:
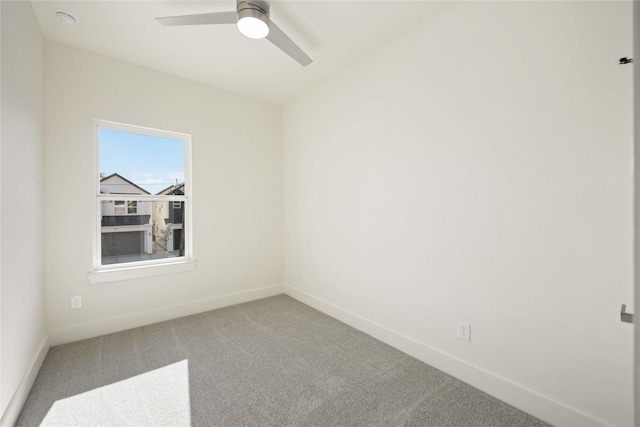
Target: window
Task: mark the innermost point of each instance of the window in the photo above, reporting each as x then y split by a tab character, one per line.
140	173
119	207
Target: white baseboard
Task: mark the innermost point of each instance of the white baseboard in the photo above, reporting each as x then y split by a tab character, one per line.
514	394
134	320
20	396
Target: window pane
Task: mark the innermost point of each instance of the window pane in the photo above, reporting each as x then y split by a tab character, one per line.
153	231
132	163
142	195
119	206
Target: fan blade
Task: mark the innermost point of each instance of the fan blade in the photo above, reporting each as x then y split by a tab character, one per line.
282	41
200	19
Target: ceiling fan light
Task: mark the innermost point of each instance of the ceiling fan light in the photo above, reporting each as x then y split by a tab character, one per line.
253	24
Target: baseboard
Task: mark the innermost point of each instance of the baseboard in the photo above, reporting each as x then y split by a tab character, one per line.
20	396
514	394
134	320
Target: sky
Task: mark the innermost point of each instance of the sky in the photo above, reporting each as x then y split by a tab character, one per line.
150	162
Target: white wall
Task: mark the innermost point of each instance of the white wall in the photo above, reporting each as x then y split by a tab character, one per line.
636	246
479	168
237	192
24	335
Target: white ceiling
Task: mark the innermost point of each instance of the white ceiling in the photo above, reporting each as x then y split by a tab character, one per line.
333	33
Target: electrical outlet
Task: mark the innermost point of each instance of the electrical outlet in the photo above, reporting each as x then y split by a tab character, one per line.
75	303
464	331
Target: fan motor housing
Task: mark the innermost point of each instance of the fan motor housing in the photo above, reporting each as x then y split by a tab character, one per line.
252	8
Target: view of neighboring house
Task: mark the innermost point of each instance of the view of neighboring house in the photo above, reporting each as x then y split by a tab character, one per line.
126	224
132	228
168	220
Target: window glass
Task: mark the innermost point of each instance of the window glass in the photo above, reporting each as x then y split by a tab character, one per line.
142	197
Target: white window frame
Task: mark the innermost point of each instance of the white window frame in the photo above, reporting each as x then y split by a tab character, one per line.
113	272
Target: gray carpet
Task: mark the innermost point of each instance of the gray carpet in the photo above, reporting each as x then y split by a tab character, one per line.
272	362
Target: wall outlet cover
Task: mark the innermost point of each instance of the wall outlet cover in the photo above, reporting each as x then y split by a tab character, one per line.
75	302
464	330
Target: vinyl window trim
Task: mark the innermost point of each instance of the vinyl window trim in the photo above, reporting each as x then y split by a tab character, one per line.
139	269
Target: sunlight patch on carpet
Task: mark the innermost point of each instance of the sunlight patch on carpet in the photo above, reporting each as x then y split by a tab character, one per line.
155	398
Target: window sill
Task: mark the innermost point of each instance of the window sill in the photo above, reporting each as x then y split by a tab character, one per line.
104	276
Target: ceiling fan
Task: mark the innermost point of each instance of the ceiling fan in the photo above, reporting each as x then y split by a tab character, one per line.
252	19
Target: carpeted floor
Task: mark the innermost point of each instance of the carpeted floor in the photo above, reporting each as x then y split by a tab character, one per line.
272	362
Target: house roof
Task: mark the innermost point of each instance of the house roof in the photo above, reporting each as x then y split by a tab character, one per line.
113	175
173	189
